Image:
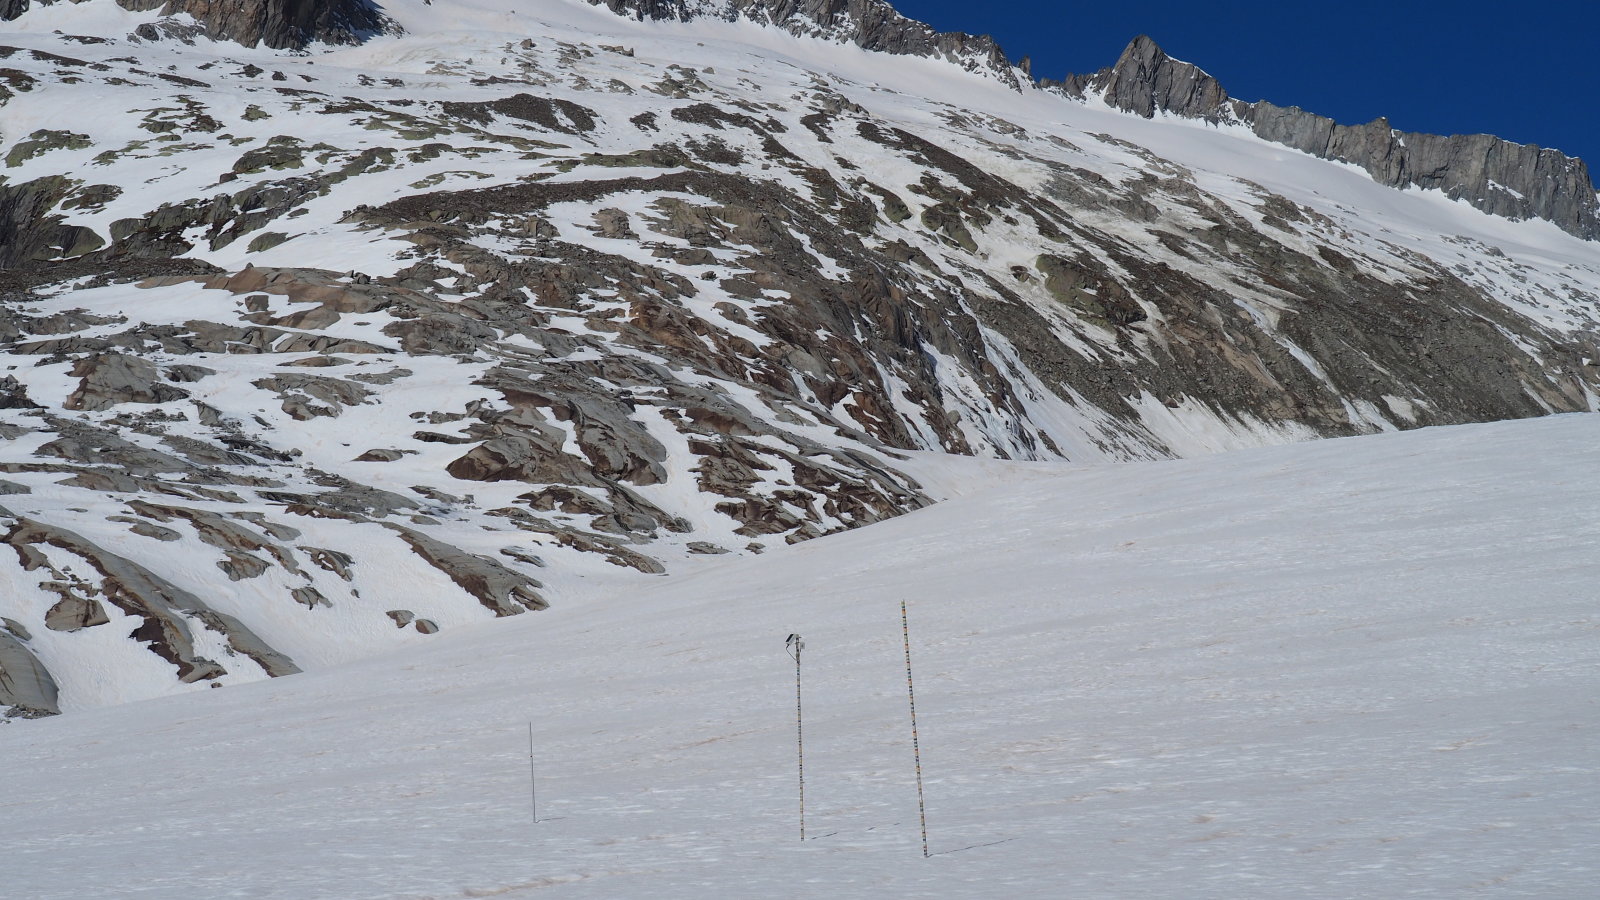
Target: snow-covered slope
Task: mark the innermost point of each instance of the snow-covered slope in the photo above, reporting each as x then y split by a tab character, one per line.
1364	667
310	355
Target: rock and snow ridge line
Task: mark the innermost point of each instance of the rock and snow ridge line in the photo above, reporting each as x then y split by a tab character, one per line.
1501	177
869	24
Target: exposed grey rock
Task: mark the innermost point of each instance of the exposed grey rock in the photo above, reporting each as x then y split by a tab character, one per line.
1080	285
112	378
551	113
87	444
43	141
31	232
169	229
26	688
239	566
279	24
332	560
167	609
155	531
169	29
613	223
1145	80
426	626
74	612
401	617
523	556
1518	181
13	395
308	396
440	335
869	24
502	590
188	373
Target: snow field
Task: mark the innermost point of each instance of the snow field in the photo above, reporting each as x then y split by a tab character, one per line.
1353	668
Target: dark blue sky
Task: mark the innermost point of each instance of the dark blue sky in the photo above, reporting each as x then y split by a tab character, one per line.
1526	71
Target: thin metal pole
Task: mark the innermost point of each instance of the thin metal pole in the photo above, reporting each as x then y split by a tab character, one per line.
533	779
795	645
916	750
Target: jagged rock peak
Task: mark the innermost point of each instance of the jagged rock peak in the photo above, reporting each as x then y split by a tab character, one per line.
869	24
279	24
1517	181
1146	80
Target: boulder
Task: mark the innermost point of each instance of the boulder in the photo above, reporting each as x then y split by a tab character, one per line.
73	613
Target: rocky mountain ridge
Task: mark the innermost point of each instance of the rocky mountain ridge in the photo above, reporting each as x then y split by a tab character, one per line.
1503	178
868	24
1518	181
308	357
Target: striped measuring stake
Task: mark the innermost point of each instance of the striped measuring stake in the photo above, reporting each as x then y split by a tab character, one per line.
916	750
794	645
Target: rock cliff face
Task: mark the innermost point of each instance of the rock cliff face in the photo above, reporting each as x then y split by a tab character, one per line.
1146	80
870	24
1518	181
279	24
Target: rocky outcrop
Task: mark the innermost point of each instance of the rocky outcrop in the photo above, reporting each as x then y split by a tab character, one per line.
112	378
869	24
26	688
1146	80
170	613
32	232
74	613
279	24
1517	181
501	590
14	395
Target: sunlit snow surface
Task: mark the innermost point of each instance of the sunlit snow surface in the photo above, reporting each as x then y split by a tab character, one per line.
1366	667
